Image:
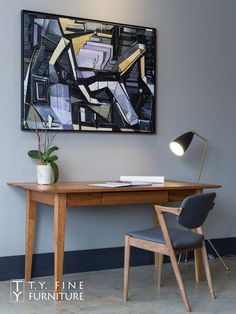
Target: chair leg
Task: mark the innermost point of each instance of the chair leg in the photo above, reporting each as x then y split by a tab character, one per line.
207	270
180	282
160	269
126	267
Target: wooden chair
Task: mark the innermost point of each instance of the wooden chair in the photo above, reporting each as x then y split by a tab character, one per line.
172	241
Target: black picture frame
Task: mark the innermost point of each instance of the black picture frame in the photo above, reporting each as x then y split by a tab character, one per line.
84	75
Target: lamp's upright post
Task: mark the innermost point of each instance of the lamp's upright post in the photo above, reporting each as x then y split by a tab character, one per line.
203	156
199	176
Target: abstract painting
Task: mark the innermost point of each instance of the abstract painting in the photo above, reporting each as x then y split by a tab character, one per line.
87	75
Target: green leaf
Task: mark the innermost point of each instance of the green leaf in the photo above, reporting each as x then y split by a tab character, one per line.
51	150
53	158
55	171
36	154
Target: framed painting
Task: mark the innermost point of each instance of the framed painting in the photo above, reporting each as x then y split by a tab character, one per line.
86	75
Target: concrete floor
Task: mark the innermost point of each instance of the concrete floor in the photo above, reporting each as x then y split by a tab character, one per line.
103	293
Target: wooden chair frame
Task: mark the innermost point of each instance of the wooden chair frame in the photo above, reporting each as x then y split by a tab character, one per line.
166	249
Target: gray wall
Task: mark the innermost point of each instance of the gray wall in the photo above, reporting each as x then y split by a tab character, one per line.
196	90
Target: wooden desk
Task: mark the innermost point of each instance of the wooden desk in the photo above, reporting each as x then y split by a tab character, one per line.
65	194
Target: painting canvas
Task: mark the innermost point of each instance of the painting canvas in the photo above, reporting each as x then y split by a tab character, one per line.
87	75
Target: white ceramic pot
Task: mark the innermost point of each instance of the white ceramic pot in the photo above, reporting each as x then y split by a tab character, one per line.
44	174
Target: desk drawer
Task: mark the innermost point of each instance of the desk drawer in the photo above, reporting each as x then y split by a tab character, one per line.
142	197
84	199
178	196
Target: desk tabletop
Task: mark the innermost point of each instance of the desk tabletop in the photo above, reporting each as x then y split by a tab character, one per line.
84	187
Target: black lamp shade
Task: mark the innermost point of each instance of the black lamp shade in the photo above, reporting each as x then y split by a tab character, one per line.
181	143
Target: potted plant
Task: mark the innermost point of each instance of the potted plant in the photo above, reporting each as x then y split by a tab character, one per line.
47	169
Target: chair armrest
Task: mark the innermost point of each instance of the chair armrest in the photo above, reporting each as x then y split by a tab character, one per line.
171	210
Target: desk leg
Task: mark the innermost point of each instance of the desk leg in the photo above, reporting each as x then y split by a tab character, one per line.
30	232
59	239
198	265
157	256
198	259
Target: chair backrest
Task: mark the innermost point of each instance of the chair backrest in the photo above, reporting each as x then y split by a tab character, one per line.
195	209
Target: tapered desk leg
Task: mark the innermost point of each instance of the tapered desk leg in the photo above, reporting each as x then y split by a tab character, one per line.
198	265
59	239
157	256
30	232
198	257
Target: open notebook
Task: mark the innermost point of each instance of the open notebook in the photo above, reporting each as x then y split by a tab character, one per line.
118	184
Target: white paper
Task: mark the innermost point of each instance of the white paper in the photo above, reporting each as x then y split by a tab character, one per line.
150	179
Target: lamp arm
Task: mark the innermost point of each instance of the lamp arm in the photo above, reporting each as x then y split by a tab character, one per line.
201	137
203	156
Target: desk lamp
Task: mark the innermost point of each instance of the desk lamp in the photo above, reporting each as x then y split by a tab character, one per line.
178	147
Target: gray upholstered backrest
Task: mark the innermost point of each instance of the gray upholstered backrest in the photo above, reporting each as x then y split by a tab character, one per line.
195	209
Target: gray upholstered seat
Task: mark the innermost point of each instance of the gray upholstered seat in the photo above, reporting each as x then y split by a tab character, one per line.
180	239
